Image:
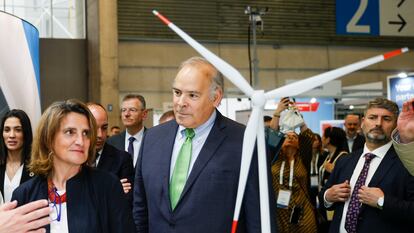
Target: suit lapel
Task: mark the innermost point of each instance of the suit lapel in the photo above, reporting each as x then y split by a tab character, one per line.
214	139
350	166
106	160
385	165
167	142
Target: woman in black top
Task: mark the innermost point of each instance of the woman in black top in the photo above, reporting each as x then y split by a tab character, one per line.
15	145
83	199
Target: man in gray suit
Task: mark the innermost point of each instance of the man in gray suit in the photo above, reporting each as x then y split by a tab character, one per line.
133	114
188	169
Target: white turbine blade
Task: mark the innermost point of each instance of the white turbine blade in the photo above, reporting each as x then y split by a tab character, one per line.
263	181
302	86
226	69
247	154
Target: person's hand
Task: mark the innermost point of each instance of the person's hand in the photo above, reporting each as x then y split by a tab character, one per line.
26	218
369	196
339	192
328	166
282	105
126	185
405	124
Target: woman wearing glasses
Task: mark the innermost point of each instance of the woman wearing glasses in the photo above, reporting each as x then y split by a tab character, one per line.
15	145
83	199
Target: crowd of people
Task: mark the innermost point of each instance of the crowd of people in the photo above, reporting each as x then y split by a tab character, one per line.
182	175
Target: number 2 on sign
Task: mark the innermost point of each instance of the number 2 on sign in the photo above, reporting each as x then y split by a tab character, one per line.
352	26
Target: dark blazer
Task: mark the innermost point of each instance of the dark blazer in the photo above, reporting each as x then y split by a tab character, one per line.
208	199
398	187
118	141
116	162
359	143
26	175
95	201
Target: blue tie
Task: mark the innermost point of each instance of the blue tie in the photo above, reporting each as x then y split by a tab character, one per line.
131	147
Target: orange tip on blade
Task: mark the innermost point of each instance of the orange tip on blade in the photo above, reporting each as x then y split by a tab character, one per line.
234	226
163	19
395	53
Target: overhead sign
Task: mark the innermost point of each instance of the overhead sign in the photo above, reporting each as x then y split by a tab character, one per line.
375	17
401	89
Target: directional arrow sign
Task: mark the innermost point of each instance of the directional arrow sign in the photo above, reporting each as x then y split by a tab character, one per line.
375	17
397	18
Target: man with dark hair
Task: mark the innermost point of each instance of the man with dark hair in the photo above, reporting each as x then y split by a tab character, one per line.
108	158
188	169
133	114
355	140
370	190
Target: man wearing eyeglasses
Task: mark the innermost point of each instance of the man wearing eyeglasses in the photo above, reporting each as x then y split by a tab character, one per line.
133	114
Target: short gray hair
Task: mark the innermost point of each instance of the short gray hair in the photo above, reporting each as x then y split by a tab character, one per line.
385	104
217	81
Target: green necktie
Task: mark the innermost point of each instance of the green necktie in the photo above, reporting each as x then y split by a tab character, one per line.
182	164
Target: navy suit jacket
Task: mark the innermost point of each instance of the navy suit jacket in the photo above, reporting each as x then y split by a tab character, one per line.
398	187
207	202
95	201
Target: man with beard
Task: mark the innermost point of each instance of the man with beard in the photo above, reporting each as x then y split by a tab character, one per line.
370	190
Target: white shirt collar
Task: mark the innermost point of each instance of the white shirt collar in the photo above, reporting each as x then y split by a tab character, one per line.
380	151
200	129
137	136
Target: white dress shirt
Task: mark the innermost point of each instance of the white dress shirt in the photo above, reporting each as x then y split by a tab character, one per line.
11	185
350	142
62	225
375	162
201	134
137	143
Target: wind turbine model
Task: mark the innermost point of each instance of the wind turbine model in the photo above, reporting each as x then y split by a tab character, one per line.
255	125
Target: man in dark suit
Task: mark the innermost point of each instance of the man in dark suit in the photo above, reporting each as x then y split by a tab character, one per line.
133	114
187	173
355	141
370	190
108	157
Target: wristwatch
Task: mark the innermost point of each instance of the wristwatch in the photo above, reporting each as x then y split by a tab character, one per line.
380	203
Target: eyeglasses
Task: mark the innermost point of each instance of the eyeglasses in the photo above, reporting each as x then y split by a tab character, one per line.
57	206
132	110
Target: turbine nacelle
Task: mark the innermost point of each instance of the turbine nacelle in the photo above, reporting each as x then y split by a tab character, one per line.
258	99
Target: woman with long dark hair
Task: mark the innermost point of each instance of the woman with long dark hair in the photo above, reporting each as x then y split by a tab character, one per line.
15	145
335	142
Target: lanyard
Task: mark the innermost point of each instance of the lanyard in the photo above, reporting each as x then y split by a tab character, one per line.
282	169
314	165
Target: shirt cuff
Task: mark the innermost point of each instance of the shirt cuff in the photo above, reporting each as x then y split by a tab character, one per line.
326	203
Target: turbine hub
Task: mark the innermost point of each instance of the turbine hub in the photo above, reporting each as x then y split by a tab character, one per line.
258	98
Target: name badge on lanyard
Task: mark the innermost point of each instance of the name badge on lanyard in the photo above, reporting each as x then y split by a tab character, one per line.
314	181
283	198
